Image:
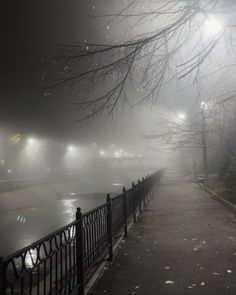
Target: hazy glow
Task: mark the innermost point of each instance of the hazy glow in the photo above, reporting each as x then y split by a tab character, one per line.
31	258
181	115
116	184
32	146
213	26
31	141
117	154
70	148
102	153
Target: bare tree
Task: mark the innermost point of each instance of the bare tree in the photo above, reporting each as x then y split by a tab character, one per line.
133	69
194	133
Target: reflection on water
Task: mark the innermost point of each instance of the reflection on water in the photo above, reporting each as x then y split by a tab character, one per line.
31	258
27	226
21	219
117	184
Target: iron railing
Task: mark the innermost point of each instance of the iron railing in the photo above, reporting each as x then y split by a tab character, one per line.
63	261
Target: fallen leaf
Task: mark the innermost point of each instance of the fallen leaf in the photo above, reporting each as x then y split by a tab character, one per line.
169	282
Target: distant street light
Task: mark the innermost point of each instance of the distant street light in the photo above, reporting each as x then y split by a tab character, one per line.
70	148
30	140
102	153
203	104
32	145
117	154
181	115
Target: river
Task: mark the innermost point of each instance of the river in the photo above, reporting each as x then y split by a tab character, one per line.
31	212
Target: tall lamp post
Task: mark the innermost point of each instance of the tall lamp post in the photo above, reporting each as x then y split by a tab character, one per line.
204	143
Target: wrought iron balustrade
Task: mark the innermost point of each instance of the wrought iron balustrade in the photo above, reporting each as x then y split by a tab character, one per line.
62	262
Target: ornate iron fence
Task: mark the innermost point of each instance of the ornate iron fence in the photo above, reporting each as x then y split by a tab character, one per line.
61	262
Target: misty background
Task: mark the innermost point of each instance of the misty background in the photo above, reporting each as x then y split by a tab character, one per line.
52	162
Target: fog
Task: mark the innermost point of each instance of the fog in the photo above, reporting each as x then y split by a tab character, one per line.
44	180
95	97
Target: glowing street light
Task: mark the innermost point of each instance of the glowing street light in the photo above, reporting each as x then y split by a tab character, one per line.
31	141
32	145
204	105
212	26
181	115
102	153
117	154
70	148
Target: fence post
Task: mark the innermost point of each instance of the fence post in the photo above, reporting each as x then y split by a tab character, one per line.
109	227
134	203
125	212
140	195
2	277
145	192
80	251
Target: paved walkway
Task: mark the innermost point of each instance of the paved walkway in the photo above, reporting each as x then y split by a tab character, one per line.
184	243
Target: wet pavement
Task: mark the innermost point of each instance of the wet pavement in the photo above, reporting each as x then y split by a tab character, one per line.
184	243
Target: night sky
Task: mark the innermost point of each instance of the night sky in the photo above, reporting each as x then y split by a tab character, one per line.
30	30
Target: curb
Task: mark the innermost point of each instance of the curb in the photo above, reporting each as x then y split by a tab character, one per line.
226	203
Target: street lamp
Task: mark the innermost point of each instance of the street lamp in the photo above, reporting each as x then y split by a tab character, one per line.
181	115
102	153
31	141
203	106
117	154
70	148
212	25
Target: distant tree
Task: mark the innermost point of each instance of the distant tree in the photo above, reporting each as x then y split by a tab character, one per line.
178	132
164	39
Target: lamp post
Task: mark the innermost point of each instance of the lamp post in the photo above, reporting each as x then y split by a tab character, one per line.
204	143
